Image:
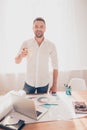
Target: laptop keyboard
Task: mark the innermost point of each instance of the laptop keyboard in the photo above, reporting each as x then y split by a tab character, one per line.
38	113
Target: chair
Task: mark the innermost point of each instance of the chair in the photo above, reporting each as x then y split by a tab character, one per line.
77	84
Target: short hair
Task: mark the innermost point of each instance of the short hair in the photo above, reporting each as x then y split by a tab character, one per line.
39	19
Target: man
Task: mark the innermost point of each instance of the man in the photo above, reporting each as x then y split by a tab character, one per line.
38	50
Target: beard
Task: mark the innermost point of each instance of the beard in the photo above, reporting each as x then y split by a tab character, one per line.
39	34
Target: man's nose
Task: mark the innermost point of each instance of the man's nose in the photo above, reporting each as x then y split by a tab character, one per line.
38	28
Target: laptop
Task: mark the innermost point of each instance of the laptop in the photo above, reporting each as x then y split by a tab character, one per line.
27	107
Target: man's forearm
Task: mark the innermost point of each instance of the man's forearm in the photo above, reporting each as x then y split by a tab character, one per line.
18	59
23	53
55	77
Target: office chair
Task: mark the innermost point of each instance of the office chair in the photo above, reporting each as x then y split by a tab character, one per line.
77	84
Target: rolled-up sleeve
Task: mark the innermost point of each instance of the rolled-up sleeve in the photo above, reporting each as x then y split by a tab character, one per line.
54	57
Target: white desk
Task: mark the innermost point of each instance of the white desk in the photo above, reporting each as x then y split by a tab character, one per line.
61	124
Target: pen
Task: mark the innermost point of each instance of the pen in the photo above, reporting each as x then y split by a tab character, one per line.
50	104
2	118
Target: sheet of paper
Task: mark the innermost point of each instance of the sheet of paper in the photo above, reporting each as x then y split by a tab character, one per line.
5	105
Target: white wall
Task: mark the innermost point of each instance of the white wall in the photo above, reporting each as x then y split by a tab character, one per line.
66	27
13	81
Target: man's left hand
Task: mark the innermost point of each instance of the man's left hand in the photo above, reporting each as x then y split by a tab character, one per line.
53	89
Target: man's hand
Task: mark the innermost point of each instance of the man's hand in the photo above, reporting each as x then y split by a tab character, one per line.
23	53
53	89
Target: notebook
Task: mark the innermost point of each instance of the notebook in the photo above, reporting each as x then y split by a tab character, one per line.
27	107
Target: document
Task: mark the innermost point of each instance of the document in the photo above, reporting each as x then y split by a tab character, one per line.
5	105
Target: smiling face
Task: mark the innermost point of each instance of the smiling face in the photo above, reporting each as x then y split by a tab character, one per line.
39	28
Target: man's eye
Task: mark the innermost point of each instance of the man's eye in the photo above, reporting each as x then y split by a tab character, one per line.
41	27
36	26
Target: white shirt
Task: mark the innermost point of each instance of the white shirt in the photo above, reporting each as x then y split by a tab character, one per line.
37	74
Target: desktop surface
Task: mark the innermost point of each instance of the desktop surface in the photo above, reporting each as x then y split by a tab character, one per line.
73	124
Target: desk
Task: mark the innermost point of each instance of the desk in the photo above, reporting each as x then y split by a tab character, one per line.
74	124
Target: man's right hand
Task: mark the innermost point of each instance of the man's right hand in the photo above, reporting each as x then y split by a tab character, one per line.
23	53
